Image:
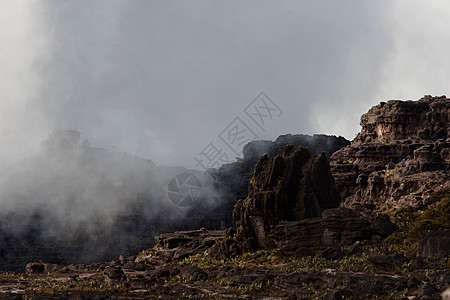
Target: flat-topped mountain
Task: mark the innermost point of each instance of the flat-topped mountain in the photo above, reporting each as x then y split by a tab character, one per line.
400	157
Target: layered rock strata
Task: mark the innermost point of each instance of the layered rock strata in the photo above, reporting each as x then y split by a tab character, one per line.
289	187
400	156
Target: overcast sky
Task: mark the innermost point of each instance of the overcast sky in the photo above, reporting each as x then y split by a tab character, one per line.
163	79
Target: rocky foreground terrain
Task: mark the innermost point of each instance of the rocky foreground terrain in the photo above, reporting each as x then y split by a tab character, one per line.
374	223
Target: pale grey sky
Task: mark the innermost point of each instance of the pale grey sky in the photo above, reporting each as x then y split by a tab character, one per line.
162	79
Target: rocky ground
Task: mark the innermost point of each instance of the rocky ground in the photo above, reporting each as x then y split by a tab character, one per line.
374	225
361	271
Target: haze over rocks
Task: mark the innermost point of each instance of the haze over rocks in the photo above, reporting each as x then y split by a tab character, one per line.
317	224
75	203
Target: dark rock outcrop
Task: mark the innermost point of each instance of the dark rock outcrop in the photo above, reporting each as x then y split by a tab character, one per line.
181	244
289	187
114	273
388	261
400	157
232	179
35	267
435	243
337	228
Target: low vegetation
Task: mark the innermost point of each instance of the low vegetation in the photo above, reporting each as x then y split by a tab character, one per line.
413	225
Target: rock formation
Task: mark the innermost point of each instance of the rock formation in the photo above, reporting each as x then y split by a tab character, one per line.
337	227
400	156
232	179
289	187
436	243
293	204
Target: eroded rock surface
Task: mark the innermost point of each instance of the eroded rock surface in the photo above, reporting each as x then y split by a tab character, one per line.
289	187
182	244
232	180
400	156
337	228
435	243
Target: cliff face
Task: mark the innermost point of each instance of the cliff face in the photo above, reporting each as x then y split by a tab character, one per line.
400	157
289	187
425	119
232	180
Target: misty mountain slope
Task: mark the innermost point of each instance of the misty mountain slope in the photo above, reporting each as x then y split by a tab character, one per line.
75	203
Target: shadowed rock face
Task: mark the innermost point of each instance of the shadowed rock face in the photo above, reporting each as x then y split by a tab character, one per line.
400	157
337	227
435	243
289	187
232	179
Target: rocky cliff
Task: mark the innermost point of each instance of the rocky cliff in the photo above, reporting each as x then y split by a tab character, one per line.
401	155
232	180
293	204
289	187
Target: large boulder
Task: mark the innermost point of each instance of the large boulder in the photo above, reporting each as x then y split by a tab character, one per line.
289	187
338	227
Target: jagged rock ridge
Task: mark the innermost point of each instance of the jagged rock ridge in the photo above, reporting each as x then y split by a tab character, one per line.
232	180
400	157
289	187
293	203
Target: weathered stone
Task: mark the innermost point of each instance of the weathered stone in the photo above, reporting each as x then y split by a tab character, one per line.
134	266
224	248
303	252
35	267
115	273
192	273
337	228
182	244
159	272
338	295
400	156
435	243
426	291
289	187
333	253
389	260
